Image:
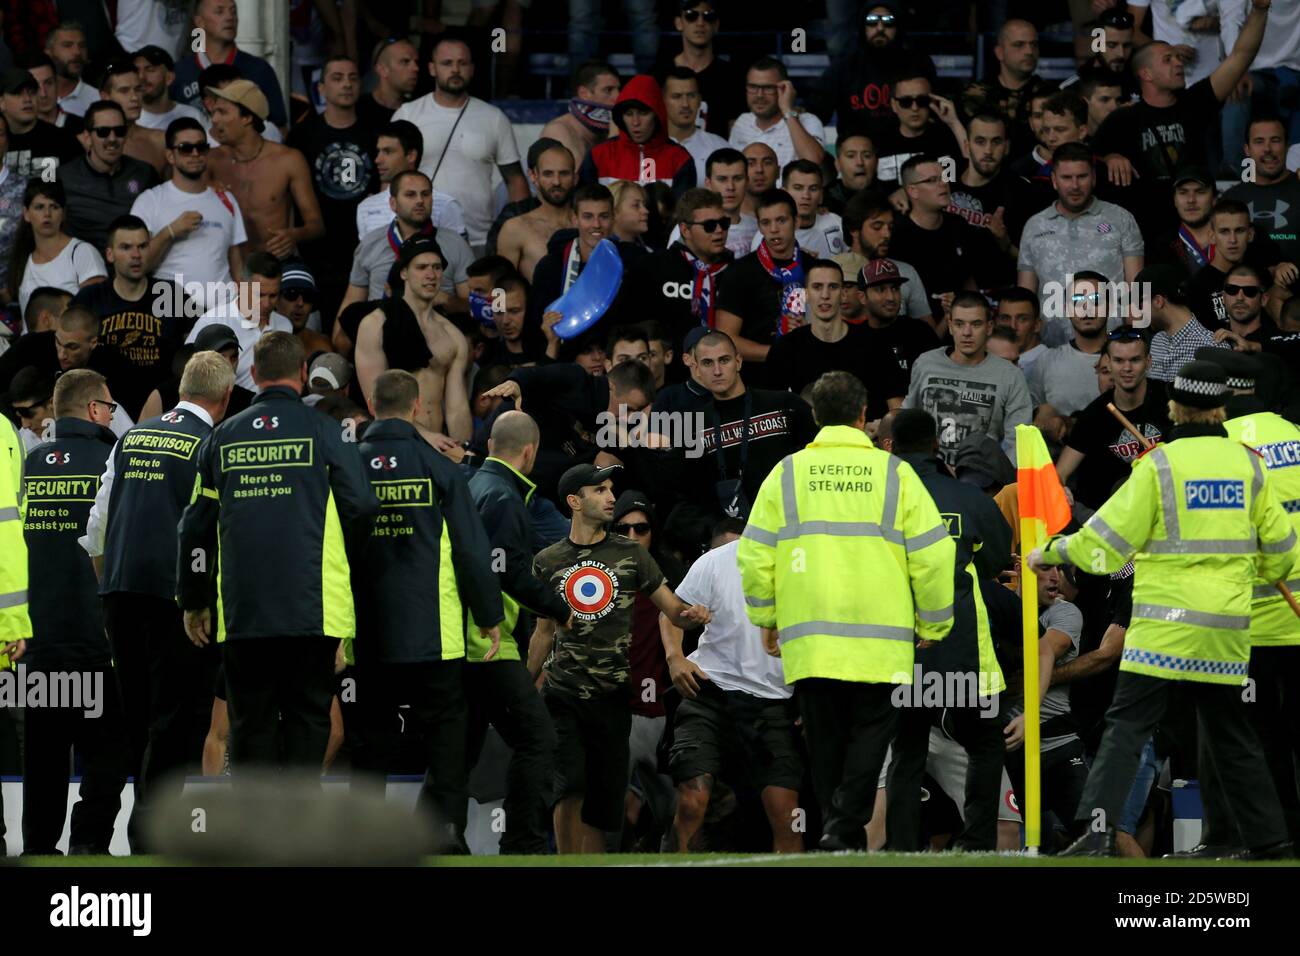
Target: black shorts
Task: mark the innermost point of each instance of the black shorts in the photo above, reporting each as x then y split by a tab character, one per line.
592	753
721	725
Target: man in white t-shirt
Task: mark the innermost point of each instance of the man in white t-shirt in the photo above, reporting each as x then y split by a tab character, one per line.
731	690
251	314
399	147
198	232
464	140
772	118
819	232
66	46
157	72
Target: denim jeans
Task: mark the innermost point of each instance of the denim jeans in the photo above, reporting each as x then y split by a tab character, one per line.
1137	796
585	24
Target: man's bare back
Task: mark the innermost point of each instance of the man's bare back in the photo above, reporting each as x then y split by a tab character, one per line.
523	239
262	185
148	146
572	134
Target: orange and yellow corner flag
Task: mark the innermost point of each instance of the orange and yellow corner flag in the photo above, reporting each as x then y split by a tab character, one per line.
1044	511
1042	499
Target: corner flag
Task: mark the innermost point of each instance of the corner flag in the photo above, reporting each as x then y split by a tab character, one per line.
1044	511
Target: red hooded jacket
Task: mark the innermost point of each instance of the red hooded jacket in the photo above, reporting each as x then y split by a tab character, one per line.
620	158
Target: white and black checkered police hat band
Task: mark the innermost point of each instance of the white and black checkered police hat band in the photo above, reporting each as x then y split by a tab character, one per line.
1242	383
1200	385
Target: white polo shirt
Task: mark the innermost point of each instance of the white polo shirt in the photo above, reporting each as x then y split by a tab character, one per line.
746	131
82	97
731	648
246	331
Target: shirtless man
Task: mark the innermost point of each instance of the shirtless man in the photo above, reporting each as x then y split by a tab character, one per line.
122	85
590	113
444	401
523	239
269	179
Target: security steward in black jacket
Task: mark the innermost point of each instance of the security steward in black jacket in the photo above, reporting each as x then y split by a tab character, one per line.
164	680
427	558
285	493
61	478
502	692
983	540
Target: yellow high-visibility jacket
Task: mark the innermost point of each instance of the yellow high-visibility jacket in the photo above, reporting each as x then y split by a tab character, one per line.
1201	526
15	624
846	555
1272	622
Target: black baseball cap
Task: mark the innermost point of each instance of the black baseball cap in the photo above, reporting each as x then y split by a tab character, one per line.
1193	174
155	55
418	246
216	338
583	476
17	80
630	501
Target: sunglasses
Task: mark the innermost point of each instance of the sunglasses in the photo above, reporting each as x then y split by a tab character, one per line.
1125	335
1117	20
907	102
297	295
639	527
29	411
112	406
708	16
187	149
883	19
104	132
1086	297
711	225
1249	291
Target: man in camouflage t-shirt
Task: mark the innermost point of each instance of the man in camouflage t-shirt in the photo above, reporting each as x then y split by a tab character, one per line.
586	667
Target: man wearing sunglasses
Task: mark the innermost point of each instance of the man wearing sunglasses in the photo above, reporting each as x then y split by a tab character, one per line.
104	183
1064	379
720	81
1245	295
196	231
913	132
297	303
683	280
30	396
857	87
1235	243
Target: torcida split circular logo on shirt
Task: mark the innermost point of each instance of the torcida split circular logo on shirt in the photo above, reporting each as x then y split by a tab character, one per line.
591	589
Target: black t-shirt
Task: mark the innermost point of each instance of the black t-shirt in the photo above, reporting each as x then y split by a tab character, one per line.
906	339
27	152
945	258
1109	447
1205	286
976	205
1157	140
747	290
373	115
722	91
780	424
893	148
342	174
800	358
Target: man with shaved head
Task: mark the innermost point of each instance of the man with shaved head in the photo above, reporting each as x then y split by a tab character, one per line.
1009	92
500	691
1142	145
